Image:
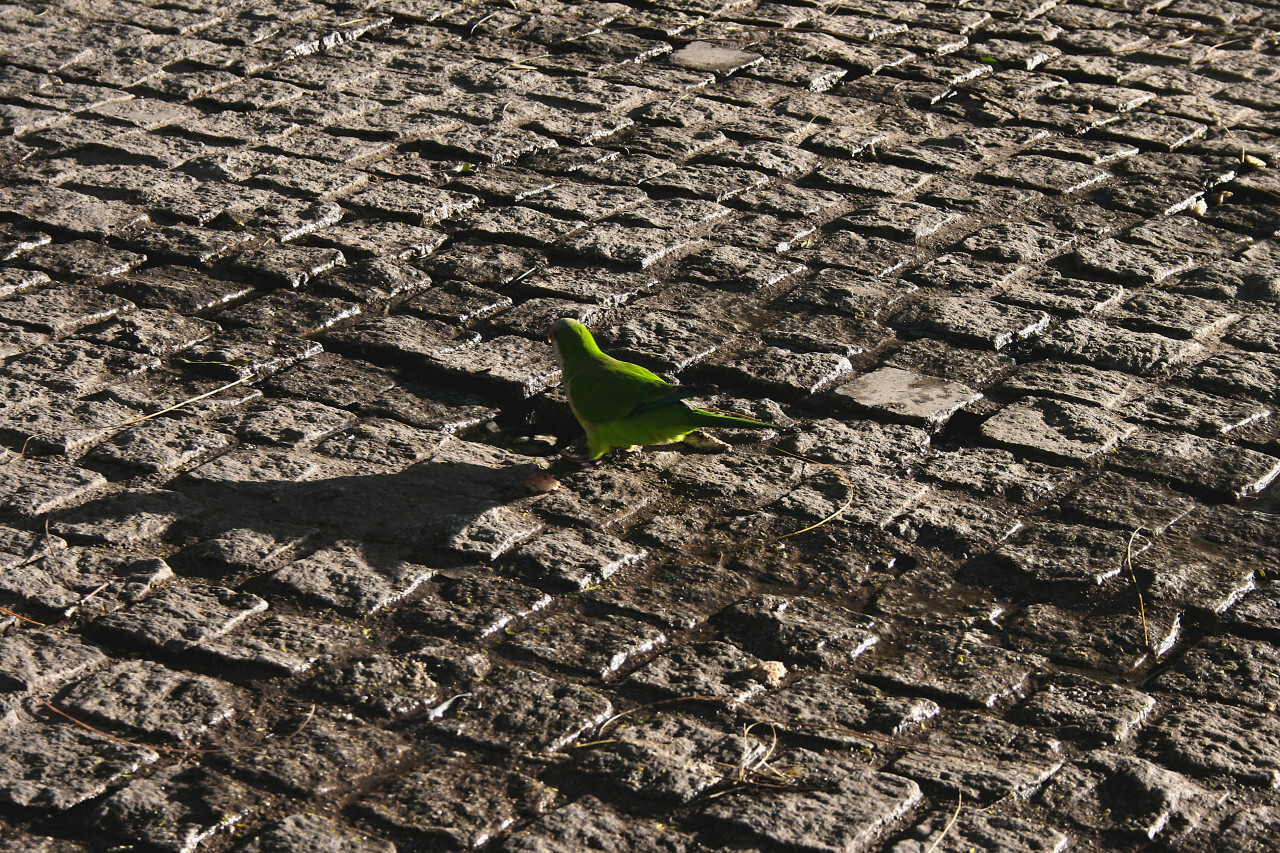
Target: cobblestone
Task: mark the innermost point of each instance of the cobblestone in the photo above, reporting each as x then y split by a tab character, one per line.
54	767
824	819
289	484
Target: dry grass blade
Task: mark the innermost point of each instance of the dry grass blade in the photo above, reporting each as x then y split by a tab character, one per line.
22	618
1142	610
833	516
144	418
167	749
954	817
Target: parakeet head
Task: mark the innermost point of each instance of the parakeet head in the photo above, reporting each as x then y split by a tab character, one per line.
571	341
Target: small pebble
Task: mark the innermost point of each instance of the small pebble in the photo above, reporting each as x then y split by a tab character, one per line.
541	483
770	672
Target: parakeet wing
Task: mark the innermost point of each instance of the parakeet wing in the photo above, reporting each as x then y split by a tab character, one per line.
609	390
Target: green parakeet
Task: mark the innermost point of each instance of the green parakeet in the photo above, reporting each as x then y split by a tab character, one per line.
620	404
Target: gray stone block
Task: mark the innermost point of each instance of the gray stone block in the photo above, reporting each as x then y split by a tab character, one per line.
1208	738
179	618
519	710
1085	710
456	803
54	766
155	700
326	756
1056	430
803	631
905	396
600	646
1199	465
838	806
305	831
589	824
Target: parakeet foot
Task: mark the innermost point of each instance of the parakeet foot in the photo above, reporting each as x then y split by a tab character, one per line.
706	443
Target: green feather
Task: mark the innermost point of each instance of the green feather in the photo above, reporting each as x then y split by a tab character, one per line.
620	404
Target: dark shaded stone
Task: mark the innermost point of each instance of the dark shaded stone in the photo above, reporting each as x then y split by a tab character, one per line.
804	631
162	445
670	758
53	766
306	831
992	472
1205	737
1075	382
957	526
476	606
290	423
1227	669
980	322
153	331
836	710
1000	759
1086	710
1117	501
600	646
290	312
1131	795
517	710
902	220
978	831
248	352
779	373
703	669
34	662
1253	829
967	669
1055	553
457	803
131	517
836	805
398	339
509	367
179	289
1199	465
154	700
180	617
1107	347
281	266
1257	614
589	824
1056	430
379	686
34	487
175	809
575	558
348	579
78	367
1116	639
845	336
860	442
82	260
325	756
1252	374
331	380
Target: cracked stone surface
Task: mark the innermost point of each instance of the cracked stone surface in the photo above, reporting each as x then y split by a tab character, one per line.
298	549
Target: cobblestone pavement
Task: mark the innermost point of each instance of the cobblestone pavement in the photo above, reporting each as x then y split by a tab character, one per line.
282	564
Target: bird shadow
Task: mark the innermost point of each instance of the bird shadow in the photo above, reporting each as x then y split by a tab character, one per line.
467	503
